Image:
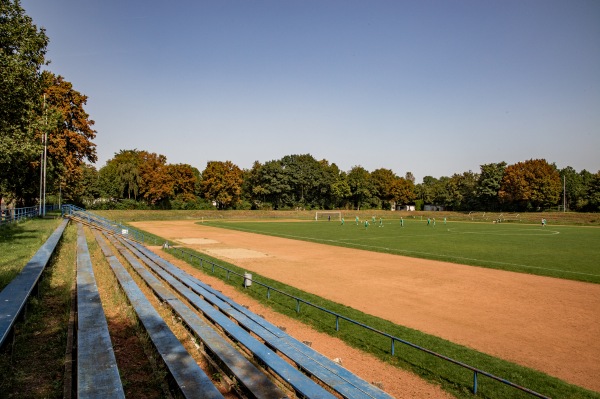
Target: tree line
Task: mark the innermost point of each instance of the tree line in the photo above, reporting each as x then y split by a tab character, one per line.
39	109
139	179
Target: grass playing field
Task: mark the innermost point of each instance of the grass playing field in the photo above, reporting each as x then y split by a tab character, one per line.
568	252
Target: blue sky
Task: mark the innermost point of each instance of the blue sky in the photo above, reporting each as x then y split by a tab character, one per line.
434	87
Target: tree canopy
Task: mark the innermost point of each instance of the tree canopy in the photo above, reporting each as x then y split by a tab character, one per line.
22	54
36	104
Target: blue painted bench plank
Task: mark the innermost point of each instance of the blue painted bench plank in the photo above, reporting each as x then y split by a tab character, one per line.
246	373
331	373
14	296
97	371
300	382
189	377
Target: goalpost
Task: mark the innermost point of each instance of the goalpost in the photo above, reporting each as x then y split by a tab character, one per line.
328	215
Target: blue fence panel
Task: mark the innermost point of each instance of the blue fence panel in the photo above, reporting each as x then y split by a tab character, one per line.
13	215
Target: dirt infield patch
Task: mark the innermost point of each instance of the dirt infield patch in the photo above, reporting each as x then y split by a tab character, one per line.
196	241
548	324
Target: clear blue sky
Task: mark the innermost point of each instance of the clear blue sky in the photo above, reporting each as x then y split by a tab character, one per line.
432	87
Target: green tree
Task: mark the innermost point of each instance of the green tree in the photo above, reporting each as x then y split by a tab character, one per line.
441	192
461	190
253	188
488	185
576	189
87	190
127	166
361	187
108	185
588	198
22	54
304	174
274	185
383	181
334	186
340	191
425	191
593	194
222	183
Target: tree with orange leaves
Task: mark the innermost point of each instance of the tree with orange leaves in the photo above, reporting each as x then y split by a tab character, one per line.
530	185
70	134
222	183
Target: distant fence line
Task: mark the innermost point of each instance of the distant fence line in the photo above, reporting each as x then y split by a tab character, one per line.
12	215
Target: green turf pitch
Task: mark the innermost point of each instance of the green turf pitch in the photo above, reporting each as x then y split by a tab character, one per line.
567	252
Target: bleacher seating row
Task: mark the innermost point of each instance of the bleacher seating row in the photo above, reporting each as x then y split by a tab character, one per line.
189	377
263	360
14	297
97	371
307	359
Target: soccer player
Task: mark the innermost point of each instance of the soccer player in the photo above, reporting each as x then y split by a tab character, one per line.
342	221
366	224
380	222
428	221
401	222
357	220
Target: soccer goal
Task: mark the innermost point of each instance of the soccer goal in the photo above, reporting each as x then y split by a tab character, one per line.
328	215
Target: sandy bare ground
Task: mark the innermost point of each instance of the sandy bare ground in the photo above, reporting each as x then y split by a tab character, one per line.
548	324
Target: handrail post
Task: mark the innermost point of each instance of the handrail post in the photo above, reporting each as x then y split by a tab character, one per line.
474	382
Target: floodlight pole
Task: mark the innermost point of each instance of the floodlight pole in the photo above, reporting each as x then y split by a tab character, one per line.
41	178
44	158
45	163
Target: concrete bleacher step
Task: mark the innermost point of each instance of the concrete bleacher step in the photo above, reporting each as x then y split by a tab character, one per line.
191	380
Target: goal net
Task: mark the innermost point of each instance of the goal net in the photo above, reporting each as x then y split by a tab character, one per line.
328	215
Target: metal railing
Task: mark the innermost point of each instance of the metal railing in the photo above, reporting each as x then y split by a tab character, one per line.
107	224
13	215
